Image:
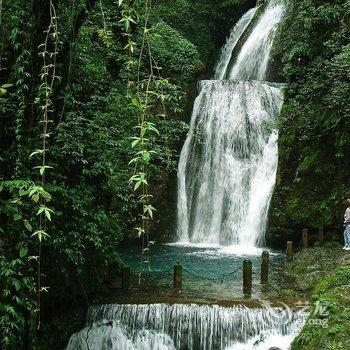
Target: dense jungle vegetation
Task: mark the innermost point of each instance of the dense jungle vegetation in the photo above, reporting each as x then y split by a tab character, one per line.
314	146
93	98
94	101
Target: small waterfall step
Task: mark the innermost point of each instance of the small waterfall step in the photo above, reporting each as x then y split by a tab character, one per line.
170	327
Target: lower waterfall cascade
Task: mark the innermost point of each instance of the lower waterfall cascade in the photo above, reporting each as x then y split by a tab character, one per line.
228	164
170	327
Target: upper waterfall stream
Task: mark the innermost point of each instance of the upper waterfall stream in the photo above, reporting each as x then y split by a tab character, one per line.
228	164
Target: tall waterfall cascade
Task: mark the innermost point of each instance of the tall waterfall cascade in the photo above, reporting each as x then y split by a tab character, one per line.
170	327
228	164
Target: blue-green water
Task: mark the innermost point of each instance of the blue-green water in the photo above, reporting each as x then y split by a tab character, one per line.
210	272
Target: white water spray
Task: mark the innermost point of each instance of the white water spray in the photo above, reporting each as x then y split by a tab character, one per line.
231	42
252	61
228	164
170	327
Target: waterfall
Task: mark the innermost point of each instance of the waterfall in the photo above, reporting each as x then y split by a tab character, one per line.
227	167
168	327
231	42
226	174
252	61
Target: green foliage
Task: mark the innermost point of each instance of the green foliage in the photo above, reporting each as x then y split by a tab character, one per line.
67	135
18	309
172	51
334	292
204	23
314	145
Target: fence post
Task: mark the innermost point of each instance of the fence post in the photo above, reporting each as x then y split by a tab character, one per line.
321	236
264	276
305	238
247	277
126	278
289	251
177	275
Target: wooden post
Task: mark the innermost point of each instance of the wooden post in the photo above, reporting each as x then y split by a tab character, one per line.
247	277
321	236
126	278
177	275
305	238
289	251
264	276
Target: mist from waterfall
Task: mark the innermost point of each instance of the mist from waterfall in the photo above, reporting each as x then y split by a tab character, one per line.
227	167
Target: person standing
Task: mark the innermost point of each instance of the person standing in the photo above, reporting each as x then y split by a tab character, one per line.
347	226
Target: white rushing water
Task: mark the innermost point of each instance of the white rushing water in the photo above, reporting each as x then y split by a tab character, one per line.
252	61
231	42
227	167
170	327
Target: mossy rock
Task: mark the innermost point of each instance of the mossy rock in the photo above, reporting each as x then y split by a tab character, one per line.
332	330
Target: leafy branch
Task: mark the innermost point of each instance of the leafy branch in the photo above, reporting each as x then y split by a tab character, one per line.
48	53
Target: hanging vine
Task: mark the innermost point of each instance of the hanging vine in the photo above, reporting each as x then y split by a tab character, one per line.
33	96
48	53
147	93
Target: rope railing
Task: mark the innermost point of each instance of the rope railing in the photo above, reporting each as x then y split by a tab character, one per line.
220	278
268	267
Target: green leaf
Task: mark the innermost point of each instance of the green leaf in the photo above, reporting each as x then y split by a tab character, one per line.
40	210
47	211
35	197
137	185
23	192
33	190
40	234
48	214
28	225
134	143
16	284
17	216
140	231
149	209
47	196
23	252
134	160
135	102
38	151
42	168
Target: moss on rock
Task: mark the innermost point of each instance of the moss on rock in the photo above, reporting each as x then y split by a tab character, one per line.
324	273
